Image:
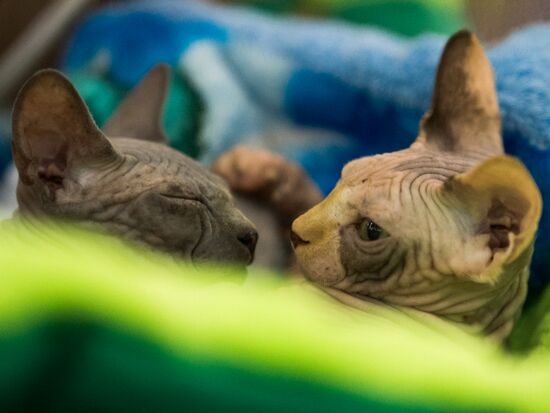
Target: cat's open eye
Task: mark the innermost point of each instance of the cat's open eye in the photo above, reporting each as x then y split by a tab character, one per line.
370	231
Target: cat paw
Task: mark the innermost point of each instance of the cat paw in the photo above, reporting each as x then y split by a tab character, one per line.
250	171
268	177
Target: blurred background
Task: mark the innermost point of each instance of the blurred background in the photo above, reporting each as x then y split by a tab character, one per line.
492	20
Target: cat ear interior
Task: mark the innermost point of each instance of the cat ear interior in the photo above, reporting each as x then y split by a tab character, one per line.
501	202
465	114
53	130
139	116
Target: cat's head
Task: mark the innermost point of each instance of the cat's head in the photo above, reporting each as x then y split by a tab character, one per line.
433	226
131	184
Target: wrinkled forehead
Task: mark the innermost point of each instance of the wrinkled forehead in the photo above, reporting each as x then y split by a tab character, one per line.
382	187
161	164
385	169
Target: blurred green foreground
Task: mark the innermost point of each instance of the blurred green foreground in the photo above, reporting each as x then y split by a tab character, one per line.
89	324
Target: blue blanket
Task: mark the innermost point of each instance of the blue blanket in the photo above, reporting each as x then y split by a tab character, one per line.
321	93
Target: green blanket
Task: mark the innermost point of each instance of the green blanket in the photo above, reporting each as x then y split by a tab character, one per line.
89	324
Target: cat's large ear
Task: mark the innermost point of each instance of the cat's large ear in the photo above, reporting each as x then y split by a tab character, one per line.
53	131
139	116
464	115
500	206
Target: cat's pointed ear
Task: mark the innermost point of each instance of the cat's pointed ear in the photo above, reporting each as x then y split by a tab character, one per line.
53	131
500	207
465	114
139	116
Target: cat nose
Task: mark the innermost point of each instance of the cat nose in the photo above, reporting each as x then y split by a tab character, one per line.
296	240
249	239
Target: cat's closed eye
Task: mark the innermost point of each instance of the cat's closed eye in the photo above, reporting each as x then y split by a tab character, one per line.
182	197
368	230
177	203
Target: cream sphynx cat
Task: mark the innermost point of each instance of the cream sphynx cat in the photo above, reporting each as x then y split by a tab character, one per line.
444	227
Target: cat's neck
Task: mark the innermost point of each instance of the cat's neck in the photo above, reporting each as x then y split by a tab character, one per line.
496	317
493	316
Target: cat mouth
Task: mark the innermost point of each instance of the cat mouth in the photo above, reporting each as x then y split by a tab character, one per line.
296	240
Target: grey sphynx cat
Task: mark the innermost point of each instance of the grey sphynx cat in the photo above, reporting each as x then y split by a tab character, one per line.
127	180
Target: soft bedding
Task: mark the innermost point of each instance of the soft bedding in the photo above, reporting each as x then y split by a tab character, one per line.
89	324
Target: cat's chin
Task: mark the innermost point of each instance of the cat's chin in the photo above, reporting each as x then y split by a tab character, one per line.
325	270
326	280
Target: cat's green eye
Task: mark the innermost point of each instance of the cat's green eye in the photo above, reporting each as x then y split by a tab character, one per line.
370	231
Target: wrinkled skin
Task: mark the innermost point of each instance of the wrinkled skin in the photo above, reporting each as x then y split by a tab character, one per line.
446	226
130	184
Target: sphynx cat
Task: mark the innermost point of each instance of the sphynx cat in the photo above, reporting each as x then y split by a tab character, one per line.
128	181
444	227
125	180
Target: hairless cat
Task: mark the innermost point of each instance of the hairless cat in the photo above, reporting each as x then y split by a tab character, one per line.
128	181
445	227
